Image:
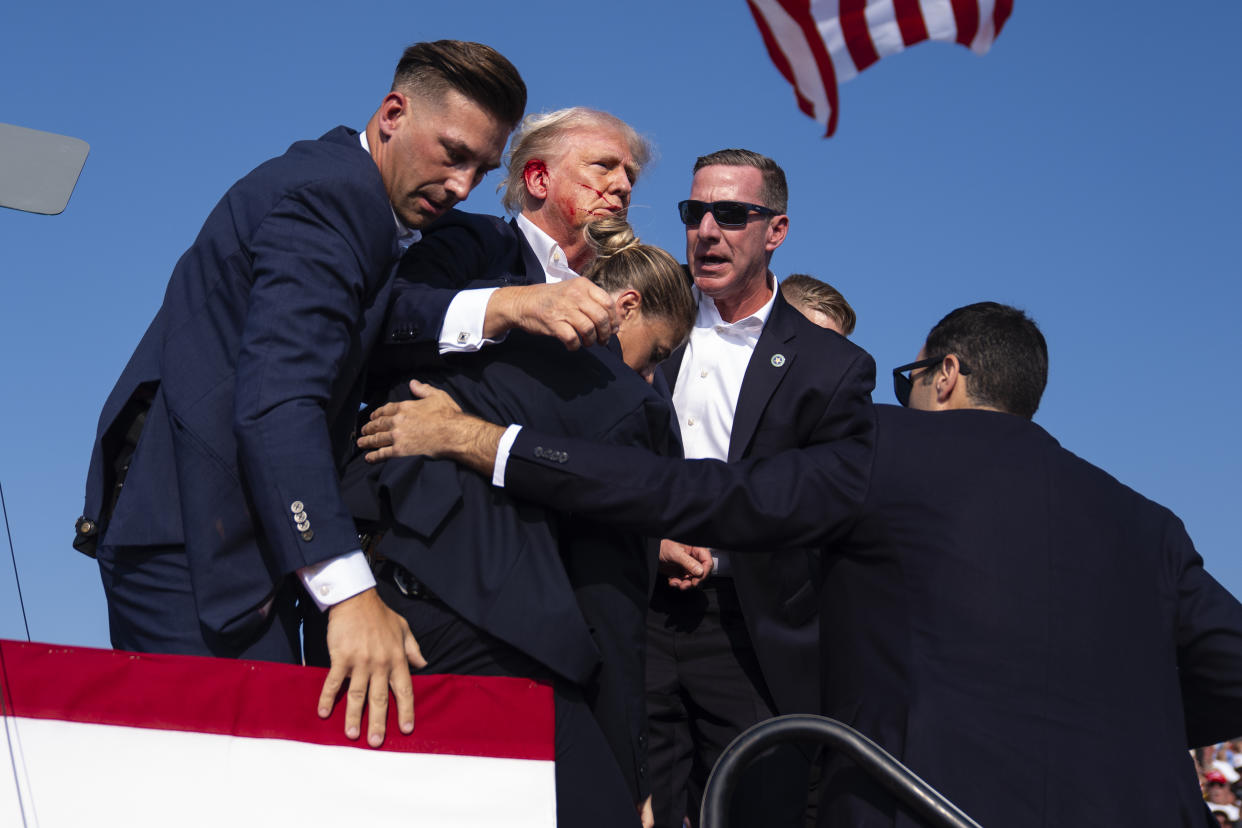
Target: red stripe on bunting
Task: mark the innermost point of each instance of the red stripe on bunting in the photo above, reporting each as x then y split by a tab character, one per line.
857	34
1000	14
779	59
462	715
800	11
966	13
910	21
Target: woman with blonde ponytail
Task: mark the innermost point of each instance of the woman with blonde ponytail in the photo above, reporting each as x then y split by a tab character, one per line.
650	289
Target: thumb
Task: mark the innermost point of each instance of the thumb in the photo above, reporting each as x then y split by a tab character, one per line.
420	390
414	653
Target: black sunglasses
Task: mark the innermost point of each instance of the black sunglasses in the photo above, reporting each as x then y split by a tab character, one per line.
902	384
726	213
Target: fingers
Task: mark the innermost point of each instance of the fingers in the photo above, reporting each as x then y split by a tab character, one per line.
377	698
403	692
331	686
355	700
413	653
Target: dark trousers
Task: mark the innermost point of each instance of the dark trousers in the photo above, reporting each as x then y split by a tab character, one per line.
151	610
704	687
590	790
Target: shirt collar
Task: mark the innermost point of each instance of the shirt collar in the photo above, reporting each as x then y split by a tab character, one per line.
709	317
551	258
406	235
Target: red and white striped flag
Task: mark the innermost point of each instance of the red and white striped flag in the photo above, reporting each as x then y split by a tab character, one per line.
109	738
817	44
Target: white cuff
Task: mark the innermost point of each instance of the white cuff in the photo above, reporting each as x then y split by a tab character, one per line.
462	331
502	454
332	581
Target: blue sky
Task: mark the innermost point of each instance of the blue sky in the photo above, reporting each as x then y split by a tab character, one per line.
1087	169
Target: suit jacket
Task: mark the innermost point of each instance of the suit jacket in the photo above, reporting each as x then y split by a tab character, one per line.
997	612
567	592
251	368
801	387
580	612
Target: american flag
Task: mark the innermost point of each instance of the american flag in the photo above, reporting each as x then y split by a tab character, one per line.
817	44
108	739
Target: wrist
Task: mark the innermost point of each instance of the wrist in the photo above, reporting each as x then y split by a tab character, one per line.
502	311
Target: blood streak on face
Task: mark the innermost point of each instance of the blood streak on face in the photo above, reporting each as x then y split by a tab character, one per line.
591	176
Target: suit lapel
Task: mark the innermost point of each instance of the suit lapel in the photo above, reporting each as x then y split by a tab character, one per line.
672	366
534	270
774	355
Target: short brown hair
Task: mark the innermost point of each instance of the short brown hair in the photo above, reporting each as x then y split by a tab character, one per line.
477	71
806	291
775	191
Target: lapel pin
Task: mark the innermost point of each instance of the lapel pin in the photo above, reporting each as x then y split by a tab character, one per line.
778	360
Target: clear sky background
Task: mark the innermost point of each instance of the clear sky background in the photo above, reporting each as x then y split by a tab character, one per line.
1088	170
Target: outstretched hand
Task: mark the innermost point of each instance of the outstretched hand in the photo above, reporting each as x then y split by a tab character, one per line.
578	312
372	647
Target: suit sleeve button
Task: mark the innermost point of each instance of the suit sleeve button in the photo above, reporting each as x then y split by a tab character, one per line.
308	535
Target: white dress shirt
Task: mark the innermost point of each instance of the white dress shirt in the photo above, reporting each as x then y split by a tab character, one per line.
711	375
710	380
462	330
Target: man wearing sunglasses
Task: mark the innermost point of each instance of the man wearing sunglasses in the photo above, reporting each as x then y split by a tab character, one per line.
756	377
993	607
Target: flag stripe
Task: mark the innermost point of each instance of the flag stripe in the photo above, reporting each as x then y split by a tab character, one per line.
464	715
800	12
73	774
779	59
1004	8
938	16
857	34
910	19
966	14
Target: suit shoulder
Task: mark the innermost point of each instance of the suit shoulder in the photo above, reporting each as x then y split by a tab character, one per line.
335	162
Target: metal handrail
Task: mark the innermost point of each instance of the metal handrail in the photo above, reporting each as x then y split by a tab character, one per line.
878	763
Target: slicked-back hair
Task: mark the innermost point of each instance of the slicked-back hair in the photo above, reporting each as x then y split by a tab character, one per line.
622	262
1004	350
477	71
775	191
806	291
542	136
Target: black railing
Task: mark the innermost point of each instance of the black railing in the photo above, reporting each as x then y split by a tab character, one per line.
921	798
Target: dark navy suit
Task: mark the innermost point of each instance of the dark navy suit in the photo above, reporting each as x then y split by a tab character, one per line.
564	592
997	612
745	648
251	373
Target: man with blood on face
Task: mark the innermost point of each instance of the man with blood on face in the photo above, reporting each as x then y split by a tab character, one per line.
475	279
733	640
480	277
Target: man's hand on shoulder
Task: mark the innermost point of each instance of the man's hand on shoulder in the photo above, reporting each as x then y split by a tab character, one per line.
433	425
372	647
684	566
576	311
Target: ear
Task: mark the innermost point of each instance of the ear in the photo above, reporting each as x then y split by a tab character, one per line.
778	228
391	110
629	303
949	381
535	174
